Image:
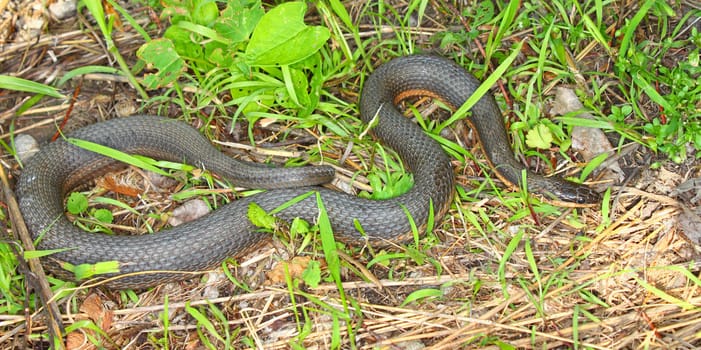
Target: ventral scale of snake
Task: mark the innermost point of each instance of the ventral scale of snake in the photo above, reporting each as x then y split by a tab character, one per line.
198	245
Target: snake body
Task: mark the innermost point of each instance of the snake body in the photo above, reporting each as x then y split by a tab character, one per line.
206	242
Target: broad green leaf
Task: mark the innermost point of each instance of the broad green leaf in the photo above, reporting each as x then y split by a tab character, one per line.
539	137
161	53
238	20
299	226
281	37
103	215
312	274
205	12
76	203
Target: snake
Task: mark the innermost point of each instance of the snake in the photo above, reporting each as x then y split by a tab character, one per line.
176	253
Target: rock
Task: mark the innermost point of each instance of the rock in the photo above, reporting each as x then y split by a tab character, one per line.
25	146
63	9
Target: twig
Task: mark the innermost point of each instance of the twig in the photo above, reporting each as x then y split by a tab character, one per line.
37	277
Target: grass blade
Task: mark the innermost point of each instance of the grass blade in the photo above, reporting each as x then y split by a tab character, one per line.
18	84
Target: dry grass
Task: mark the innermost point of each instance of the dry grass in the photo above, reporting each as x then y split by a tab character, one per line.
631	283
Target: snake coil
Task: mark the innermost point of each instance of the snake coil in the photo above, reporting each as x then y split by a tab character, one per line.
206	242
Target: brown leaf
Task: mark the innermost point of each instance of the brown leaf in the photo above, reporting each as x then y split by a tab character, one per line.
295	268
194	342
76	340
93	307
110	183
690	224
111	12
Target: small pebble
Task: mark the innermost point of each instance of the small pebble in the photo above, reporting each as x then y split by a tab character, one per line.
25	146
63	9
211	290
161	182
189	211
125	108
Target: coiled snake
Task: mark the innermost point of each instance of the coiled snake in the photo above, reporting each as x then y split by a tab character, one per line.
206	242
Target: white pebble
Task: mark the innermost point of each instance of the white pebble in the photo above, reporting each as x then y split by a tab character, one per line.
63	9
189	211
25	146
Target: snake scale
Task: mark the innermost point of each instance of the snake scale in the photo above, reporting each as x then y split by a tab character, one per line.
206	242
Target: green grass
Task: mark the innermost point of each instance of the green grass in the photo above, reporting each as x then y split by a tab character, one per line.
243	66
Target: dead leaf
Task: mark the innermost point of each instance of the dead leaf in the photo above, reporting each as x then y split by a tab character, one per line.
295	268
194	342
110	183
689	191
690	224
116	18
94	308
78	341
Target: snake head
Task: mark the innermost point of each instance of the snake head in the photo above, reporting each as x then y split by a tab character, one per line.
585	195
564	193
570	194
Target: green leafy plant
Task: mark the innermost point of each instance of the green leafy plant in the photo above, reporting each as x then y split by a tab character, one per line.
106	25
676	90
260	58
11	302
90	219
389	182
681	122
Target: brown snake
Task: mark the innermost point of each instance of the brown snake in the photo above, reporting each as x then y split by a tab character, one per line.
206	242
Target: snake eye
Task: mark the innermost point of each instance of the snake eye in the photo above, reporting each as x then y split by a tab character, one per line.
585	195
